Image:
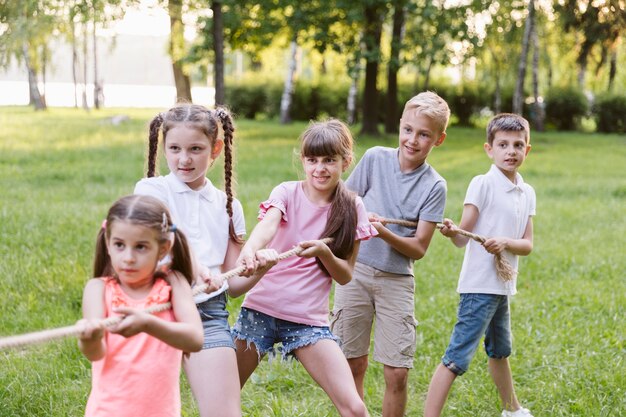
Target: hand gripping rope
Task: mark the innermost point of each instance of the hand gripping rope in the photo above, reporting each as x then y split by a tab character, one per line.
75	330
503	267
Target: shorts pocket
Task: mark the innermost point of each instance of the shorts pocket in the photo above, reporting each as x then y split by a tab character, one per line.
336	324
407	340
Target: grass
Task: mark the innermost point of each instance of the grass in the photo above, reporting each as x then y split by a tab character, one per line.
61	170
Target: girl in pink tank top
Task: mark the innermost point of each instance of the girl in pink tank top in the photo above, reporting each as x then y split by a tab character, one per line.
136	364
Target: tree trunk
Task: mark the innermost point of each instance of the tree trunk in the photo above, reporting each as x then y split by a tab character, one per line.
97	88
612	69
518	95
537	114
427	74
372	35
85	104
497	95
218	49
74	61
177	44
391	117
44	65
35	95
285	100
353	93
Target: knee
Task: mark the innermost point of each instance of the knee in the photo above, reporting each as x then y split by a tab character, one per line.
396	378
356	408
358	366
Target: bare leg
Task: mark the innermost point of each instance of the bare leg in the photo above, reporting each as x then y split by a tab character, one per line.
438	390
201	369
501	374
326	364
394	401
247	360
358	366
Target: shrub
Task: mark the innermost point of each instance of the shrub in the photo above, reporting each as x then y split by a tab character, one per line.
609	110
565	106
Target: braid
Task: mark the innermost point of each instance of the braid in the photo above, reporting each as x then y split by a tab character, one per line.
153	144
227	126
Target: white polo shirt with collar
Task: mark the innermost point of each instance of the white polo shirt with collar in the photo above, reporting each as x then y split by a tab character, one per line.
200	214
504	210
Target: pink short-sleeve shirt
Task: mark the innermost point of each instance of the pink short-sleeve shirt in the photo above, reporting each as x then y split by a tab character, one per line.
296	289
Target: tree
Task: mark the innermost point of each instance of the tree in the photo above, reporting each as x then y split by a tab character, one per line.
599	24
374	15
518	95
178	51
218	51
391	116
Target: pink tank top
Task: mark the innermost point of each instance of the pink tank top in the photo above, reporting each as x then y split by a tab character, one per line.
139	375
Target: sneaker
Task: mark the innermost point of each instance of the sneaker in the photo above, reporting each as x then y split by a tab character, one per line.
522	412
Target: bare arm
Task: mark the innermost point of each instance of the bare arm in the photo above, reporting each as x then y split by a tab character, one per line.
262	234
413	247
468	222
91	341
339	269
185	333
521	247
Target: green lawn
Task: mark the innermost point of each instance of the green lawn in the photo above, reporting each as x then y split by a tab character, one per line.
61	170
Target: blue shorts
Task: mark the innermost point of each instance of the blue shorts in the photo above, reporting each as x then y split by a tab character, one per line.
265	331
215	323
479	314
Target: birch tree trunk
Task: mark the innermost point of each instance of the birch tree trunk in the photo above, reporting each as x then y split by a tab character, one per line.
35	95
518	95
538	114
74	61
97	88
218	49
85	104
352	94
285	100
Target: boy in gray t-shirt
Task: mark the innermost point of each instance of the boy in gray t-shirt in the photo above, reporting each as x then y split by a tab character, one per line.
394	184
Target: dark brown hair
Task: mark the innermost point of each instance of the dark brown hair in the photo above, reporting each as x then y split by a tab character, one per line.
507	122
208	122
148	212
329	138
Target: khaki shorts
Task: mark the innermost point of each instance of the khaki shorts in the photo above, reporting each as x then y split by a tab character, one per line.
387	297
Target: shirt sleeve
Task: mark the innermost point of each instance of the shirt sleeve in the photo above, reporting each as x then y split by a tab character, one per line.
435	204
278	199
151	187
475	194
358	179
364	229
239	220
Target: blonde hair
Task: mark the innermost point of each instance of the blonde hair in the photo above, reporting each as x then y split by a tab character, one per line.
507	122
432	106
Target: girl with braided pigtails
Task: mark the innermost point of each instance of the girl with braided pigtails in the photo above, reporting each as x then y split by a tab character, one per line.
193	138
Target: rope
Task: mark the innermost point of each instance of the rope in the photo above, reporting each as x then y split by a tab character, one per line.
77	329
505	270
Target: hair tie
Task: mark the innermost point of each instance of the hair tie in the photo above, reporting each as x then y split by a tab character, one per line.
104	224
173	228
164	224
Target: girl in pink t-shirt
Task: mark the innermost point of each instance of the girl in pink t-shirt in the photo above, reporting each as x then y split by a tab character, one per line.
138	375
289	305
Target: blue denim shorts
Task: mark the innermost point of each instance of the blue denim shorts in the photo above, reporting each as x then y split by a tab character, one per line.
265	331
215	323
478	315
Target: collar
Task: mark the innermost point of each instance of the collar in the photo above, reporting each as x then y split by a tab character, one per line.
504	181
176	185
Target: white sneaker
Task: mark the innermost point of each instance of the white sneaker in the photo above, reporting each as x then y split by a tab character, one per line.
522	412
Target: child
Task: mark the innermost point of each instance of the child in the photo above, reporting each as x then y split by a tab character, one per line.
396	184
290	304
214	223
501	205
136	364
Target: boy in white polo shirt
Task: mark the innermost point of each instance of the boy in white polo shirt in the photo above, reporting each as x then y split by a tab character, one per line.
499	205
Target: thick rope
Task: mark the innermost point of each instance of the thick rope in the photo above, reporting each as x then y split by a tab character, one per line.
505	270
77	329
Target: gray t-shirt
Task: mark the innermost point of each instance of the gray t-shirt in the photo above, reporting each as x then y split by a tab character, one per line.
386	191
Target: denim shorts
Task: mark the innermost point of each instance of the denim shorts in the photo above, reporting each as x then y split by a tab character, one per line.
215	323
478	315
264	331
